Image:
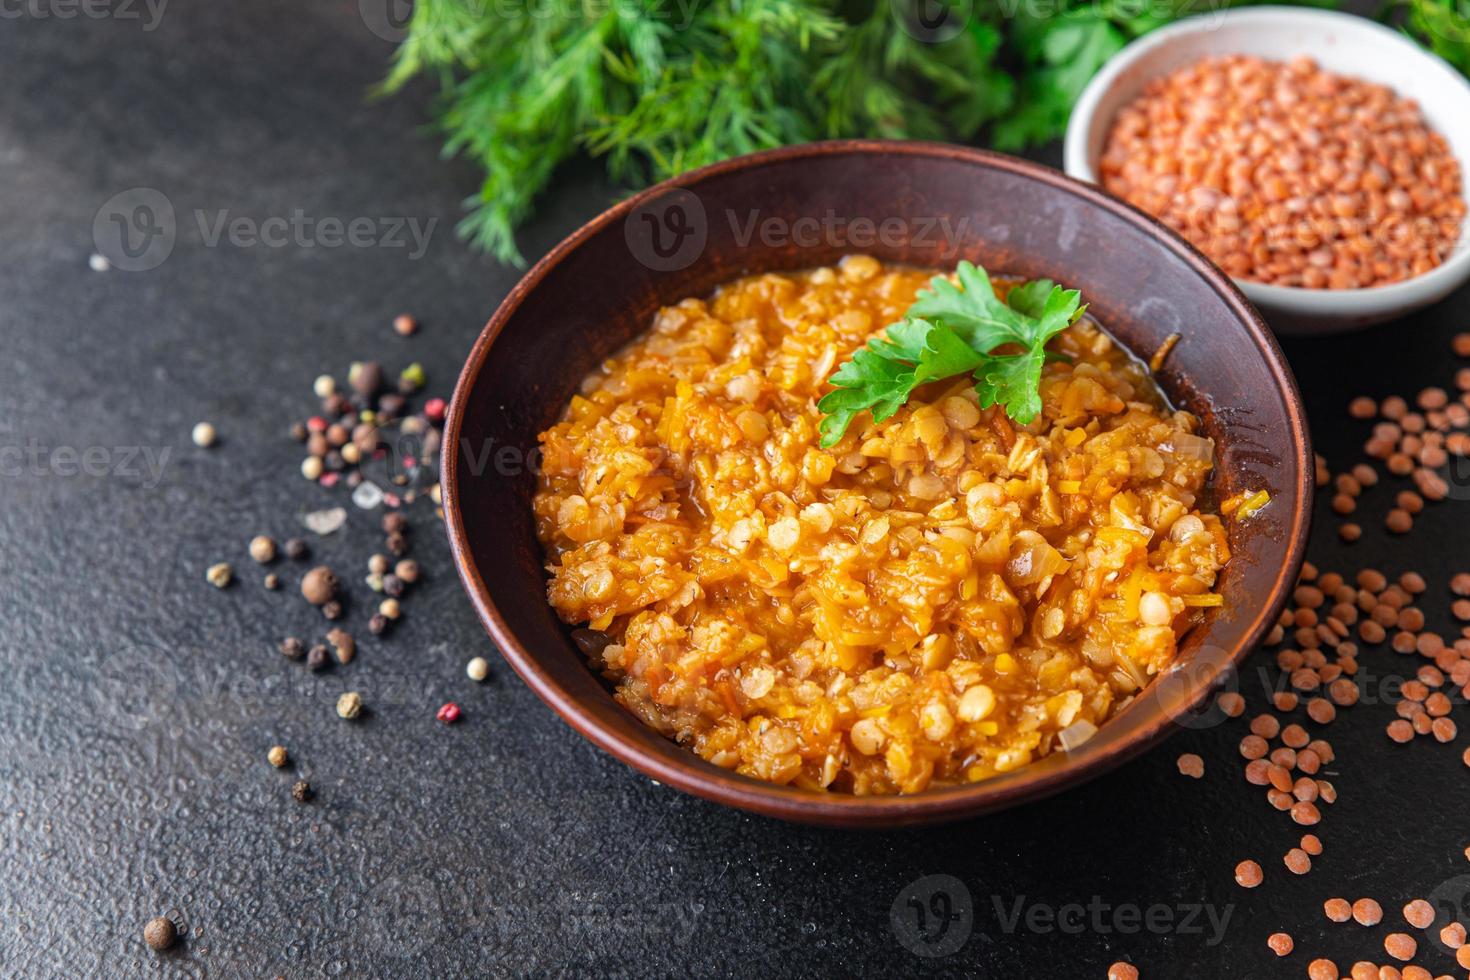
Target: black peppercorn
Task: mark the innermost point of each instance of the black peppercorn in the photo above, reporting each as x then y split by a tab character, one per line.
298	432
332	610
160	933
295	549
293	648
394	522
333	461
317	658
390	406
377	624
301	791
335	404
365	377
397	543
392	586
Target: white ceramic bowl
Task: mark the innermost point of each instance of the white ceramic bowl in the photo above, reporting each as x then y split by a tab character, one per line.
1340	43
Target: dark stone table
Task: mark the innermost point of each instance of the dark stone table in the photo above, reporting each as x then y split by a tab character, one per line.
137	702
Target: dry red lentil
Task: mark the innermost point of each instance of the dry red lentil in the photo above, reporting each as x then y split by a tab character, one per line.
1249	178
1122	971
1312	844
1191	765
1367	912
1419	914
1338	909
1253	747
1248	874
1231	703
1400	945
1281	943
1322	969
1297	861
1453	935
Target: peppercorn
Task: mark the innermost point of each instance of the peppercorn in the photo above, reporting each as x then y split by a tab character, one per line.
332	611
390	609
405	325
478	669
365	377
219	575
301	791
411	378
298	431
349	454
311	468
448	713
434	410
343	645
390	407
272	581
324	386
292	648
407	570
394	522
374	582
277	756
392	586
319	585
378	565
263	548
317	658
204	435
160	933
295	549
377	624
397	543
349	705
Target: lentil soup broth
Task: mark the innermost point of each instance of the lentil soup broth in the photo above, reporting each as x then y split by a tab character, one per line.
933	600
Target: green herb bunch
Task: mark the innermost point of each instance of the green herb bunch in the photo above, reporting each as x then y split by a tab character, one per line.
656	87
1443	26
950	331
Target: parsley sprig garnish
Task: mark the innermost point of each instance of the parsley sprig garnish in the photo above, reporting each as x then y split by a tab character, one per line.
952	330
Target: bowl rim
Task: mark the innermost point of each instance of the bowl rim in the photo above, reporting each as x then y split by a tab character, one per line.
804	806
1408	293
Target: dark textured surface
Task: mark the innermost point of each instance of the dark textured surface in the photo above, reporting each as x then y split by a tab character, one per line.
136	703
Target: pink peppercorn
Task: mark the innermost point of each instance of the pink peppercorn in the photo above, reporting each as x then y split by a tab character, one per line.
434	409
316	424
449	713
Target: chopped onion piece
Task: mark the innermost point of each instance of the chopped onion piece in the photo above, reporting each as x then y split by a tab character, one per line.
1075	734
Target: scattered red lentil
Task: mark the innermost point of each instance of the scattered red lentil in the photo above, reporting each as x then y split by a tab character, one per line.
1231	703
1400	945
1281	944
1297	861
1419	914
1323	969
1453	935
1367	912
1122	971
1248	874
1312	844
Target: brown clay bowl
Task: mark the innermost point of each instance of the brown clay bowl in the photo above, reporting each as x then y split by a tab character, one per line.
600	287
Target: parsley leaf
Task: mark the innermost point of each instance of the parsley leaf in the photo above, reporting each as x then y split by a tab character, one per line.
951	330
881	376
